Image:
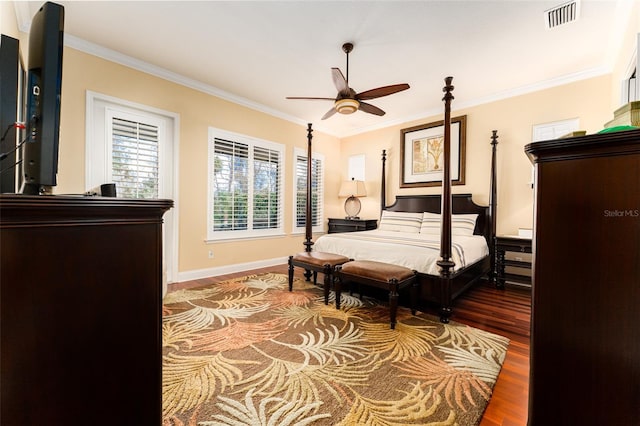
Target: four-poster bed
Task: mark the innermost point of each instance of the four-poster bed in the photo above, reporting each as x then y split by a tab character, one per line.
448	239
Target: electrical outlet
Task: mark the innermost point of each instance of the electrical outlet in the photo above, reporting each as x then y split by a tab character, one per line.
210	254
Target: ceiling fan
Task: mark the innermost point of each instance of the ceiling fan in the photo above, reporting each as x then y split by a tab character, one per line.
348	101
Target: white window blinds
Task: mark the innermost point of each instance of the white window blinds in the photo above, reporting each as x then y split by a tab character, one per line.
134	157
317	191
245	187
230	185
266	184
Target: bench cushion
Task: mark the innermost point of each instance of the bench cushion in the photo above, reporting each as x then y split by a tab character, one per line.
377	271
320	259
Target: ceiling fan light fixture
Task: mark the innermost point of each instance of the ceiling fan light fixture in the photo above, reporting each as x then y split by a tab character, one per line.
347	106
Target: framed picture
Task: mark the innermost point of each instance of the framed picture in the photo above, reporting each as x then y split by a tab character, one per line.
422	152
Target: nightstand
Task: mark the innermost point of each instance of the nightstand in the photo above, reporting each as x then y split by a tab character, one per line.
513	260
351	225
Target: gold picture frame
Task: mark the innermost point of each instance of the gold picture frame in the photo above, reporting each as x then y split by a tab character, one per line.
421	151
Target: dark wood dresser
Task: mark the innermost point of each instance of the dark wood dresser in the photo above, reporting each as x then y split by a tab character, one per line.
585	326
81	310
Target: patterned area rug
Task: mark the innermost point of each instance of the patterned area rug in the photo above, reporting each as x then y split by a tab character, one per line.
249	352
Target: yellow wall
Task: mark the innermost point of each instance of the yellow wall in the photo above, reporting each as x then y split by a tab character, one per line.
8	23
513	118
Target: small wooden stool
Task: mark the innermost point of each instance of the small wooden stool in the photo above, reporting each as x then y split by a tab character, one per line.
317	262
380	275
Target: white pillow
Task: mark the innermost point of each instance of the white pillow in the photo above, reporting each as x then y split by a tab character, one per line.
400	221
430	224
461	224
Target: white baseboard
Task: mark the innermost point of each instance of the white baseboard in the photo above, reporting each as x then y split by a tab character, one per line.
229	269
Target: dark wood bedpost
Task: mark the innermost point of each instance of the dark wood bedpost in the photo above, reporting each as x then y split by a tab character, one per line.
308	226
445	263
383	188
493	204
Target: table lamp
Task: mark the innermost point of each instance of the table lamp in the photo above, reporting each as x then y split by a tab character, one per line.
352	189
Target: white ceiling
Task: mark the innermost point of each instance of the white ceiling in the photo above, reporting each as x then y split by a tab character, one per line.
257	53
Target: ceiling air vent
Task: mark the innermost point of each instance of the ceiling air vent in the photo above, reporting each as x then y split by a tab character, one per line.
562	14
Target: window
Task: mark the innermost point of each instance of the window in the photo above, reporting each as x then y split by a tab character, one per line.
317	191
134	158
245	186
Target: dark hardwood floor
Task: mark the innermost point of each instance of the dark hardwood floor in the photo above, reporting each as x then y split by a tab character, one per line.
505	312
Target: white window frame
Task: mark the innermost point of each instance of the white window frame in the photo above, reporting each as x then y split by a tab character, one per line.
252	142
319	227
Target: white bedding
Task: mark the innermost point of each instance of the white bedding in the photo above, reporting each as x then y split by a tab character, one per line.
416	251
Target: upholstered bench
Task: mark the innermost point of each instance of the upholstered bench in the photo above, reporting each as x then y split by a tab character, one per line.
380	275
316	262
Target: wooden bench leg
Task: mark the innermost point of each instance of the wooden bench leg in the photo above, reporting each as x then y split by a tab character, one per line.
393	301
338	291
290	273
327	282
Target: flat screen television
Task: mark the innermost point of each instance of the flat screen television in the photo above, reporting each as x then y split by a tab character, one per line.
44	84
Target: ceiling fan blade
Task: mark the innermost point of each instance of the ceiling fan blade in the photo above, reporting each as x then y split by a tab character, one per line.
339	80
311	99
371	109
329	113
382	91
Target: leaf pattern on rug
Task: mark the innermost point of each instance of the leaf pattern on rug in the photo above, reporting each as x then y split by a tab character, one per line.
455	384
463	335
286	414
188	295
287	379
237	335
328	345
405	342
299	316
415	405
479	361
249	352
192	380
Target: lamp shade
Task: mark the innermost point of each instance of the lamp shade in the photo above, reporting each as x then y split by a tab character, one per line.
352	188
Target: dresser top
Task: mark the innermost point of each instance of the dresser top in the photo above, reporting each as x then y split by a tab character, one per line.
596	145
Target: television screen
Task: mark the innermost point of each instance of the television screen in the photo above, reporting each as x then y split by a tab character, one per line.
44	84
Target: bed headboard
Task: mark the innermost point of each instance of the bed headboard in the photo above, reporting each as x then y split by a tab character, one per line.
460	204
